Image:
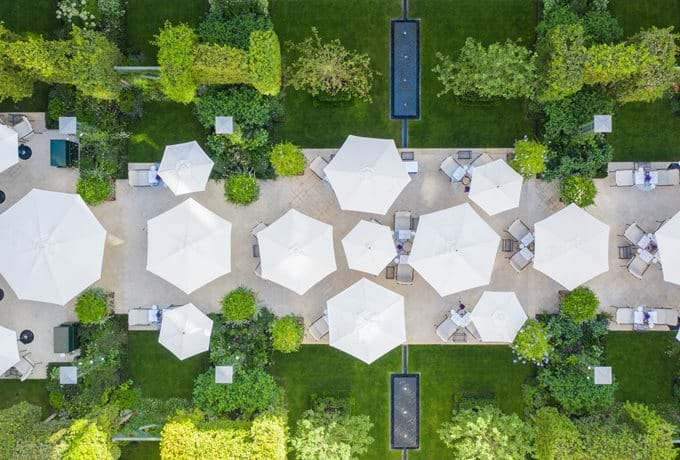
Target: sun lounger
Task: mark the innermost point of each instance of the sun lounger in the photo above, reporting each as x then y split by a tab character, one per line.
405	274
446	329
634	233
518	230
481	160
318	167
668	177
518	261
146	316
637	267
666	316
625	315
144	177
402	221
319	328
448	167
23	128
23	369
624	178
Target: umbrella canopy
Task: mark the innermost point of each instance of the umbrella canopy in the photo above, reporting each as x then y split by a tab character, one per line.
454	249
668	240
571	246
185	331
52	246
369	247
367	174
496	187
9	349
185	168
366	320
189	246
9	147
296	251
498	316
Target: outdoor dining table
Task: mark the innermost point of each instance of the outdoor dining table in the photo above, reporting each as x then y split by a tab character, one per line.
404	235
460	172
646	240
526	240
639	317
646	180
460	320
646	255
526	253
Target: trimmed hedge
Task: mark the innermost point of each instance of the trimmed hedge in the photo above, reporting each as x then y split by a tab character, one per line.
264	57
221	65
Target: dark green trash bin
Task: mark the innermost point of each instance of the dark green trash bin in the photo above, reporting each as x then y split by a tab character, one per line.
63	153
66	338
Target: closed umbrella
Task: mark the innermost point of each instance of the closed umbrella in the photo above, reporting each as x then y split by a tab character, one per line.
189	246
296	251
498	316
496	187
185	331
366	320
571	246
185	168
51	246
369	247
367	174
9	147
454	249
668	240
9	349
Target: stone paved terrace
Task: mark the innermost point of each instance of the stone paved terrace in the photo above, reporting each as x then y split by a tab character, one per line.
125	265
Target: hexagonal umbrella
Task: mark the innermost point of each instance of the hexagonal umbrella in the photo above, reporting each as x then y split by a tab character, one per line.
668	239
496	187
185	168
498	316
369	247
185	331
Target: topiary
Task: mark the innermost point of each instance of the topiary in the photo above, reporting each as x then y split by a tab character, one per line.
92	306
578	190
264	58
287	333
241	189
529	158
239	305
287	159
580	305
532	343
93	189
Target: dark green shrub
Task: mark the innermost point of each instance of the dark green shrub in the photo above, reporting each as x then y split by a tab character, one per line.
584	156
287	333
239	305
288	159
232	31
566	116
62	102
574	390
250	109
244	344
242	189
264	58
233	155
92	306
580	305
601	27
94	189
580	191
230	8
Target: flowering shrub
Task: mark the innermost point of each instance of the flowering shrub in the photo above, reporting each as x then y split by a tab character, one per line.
532	343
79	12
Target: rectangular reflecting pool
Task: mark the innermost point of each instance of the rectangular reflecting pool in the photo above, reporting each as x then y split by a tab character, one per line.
404	411
405	69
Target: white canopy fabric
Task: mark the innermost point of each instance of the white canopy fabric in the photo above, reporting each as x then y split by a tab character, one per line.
454	249
185	168
9	349
366	320
367	174
496	187
185	331
51	246
668	240
296	251
369	247
189	246
498	316
571	246
9	147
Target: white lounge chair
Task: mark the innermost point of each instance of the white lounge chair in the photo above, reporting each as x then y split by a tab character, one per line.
625	315
402	221
666	316
634	233
24	368
448	167
637	267
23	128
319	328
668	177
446	329
144	316
518	230
405	274
518	261
318	167
144	177
624	178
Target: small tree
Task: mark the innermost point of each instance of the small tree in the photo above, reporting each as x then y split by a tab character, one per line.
329	69
92	306
177	50
287	333
561	57
529	159
578	190
239	305
287	159
93	189
532	343
241	189
556	436
580	305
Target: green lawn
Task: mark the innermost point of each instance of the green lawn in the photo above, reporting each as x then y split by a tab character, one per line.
362	25
640	365
157	371
322	369
634	15
163	123
141	451
146	17
33	391
444	27
445	370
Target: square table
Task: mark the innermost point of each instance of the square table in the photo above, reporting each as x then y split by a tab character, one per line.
224	374
68	125
639	317
404	235
68	375
224	125
645	240
460	320
602	375
640	177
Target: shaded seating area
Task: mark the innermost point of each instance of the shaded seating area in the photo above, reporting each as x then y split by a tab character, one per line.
521	234
644	318
642	251
644	176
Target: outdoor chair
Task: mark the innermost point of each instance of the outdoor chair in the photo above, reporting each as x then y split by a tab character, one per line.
637	267
23	128
668	177
405	274
481	160
258	271
634	233
258	228
318	167
464	154
402	221
508	245
446	329
666	316
145	316
473	332
624	178
459	336
625	315
24	368
518	261
448	167
256	245
518	230
390	272
144	177
620	166
414	223
319	328
626	252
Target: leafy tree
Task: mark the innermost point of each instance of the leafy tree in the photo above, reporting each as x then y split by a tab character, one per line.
264	60
250	109
92	306
561	57
87	438
486	434
572	387
529	159
606	64
287	333
556	436
585	156
220	65
565	117
657	433
93	189
328	69
245	344
288	159
177	49
601	27
23	434
580	305
242	189
532	343
578	190
239	305
500	70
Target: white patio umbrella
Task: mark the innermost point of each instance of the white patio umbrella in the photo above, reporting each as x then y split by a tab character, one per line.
189	246
366	320
51	246
498	316
367	174
496	187
9	147
296	251
185	331
369	247
571	246
185	168
454	249
9	349
668	240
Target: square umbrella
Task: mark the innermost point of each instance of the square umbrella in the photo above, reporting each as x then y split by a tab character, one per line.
68	375
68	125
185	331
